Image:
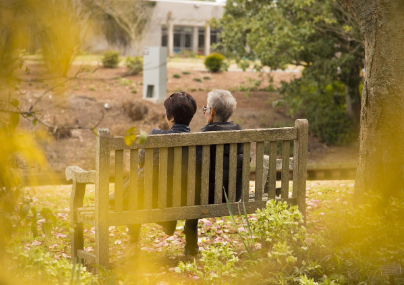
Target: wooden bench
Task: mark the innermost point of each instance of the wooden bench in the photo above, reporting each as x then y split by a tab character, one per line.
101	217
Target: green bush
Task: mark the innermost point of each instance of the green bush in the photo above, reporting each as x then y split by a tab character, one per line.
111	59
214	61
197	79
322	102
176	75
206	77
186	72
134	64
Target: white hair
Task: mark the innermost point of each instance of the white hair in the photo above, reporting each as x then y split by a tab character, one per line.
223	102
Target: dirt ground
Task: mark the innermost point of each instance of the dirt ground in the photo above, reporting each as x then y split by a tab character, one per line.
86	99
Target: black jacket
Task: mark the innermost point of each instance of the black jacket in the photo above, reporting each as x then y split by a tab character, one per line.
226	126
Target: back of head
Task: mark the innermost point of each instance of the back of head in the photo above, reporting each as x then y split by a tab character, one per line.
181	106
223	103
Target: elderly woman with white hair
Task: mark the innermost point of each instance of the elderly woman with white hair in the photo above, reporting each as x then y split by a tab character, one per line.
219	108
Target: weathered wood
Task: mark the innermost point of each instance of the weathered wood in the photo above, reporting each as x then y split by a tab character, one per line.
177	173
177	213
101	198
118	202
162	193
301	163
232	172
102	218
148	179
285	169
191	176
272	169
76	201
180	213
246	171
133	183
79	175
259	168
90	257
225	137
219	174
205	175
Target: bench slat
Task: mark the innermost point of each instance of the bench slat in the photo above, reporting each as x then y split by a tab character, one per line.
162	193
223	137
178	213
246	171
232	173
285	169
133	183
191	176
219	174
118	204
205	175
148	179
272	169
259	170
177	176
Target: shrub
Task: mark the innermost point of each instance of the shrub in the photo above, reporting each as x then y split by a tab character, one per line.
197	79
135	109
176	75
206	77
111	59
322	102
213	62
134	64
186	72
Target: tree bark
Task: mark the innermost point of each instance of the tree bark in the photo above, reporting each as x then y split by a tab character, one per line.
381	155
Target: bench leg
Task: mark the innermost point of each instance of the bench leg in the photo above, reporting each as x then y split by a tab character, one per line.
76	201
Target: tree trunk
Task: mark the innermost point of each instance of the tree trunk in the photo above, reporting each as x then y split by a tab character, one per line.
381	156
352	96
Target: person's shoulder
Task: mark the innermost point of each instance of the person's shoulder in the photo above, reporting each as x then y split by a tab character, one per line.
227	126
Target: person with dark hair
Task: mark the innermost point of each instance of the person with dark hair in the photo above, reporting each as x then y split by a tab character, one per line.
180	109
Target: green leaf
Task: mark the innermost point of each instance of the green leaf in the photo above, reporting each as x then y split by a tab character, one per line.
24	210
15	103
142	138
14	120
26	69
34	122
130	136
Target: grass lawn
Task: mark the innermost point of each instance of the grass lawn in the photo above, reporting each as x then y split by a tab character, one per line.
160	254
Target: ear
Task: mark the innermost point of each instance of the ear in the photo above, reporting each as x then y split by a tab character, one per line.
171	120
212	111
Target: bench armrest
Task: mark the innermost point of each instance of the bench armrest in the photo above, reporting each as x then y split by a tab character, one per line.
79	175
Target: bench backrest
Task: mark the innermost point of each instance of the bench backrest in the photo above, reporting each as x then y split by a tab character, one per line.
107	144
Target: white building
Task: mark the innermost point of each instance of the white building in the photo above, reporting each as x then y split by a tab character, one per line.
180	25
175	24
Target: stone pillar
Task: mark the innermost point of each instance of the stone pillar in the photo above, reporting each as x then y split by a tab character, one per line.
170	38
207	39
195	40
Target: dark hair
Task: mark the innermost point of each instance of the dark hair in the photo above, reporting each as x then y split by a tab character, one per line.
181	106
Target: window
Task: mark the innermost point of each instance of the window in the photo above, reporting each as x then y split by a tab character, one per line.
214	38
182	38
164	38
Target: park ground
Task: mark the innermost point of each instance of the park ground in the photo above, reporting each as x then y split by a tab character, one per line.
159	254
98	92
